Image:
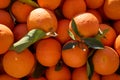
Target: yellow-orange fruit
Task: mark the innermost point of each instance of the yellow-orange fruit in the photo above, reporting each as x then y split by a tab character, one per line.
7	77
112	9
75	57
49	4
71	8
42	18
105	61
62	74
21	11
18	65
62	31
110	36
87	24
6	38
19	31
6	19
81	74
48	52
94	4
4	3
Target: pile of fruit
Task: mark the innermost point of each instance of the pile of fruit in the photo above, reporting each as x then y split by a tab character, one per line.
59	40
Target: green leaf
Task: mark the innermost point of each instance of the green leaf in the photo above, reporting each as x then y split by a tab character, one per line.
101	34
70	45
90	69
93	43
39	70
31	37
30	2
74	27
71	34
59	66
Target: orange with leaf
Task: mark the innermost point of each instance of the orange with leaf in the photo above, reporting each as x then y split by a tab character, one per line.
74	54
18	65
105	61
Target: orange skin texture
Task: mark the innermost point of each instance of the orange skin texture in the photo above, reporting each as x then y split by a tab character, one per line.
69	11
113	76
42	19
117	44
7	77
4	3
81	74
21	11
96	14
112	9
6	19
18	65
6	38
105	61
48	52
62	74
94	4
116	26
110	36
19	31
87	25
75	57
52	5
62	31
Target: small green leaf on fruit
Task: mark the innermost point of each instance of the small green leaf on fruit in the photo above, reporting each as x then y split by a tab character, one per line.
70	45
71	34
74	27
101	34
93	43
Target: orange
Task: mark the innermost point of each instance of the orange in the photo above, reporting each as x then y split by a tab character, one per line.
87	25
4	3
19	31
113	76
52	5
75	56
112	9
21	11
6	38
42	18
7	77
48	52
41	78
71	8
18	65
105	61
96	14
94	4
6	19
117	44
109	38
116	26
81	74
62	31
62	74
